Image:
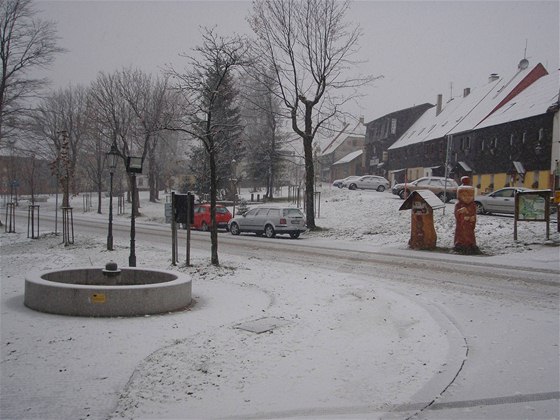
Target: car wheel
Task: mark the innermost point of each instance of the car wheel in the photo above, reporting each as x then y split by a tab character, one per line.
480	208
234	229
352	187
381	188
204	227
402	194
269	231
294	235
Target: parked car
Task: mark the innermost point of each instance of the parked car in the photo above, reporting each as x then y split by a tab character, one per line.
499	201
369	182
338	182
202	217
440	186
270	221
347	181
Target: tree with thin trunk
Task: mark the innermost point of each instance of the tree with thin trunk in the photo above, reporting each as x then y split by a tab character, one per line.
26	43
261	110
115	117
207	114
149	100
60	125
309	47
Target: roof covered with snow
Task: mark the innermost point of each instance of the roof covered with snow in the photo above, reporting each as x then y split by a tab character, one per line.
534	100
349	157
356	130
467	113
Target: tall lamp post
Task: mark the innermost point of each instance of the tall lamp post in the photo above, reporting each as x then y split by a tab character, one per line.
112	157
133	167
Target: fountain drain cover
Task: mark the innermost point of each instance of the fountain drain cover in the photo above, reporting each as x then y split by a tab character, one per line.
262	325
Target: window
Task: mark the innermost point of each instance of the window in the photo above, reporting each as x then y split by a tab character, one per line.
504	193
482	145
465	143
393	126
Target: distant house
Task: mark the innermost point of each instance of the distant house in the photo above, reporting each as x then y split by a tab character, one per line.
349	140
500	134
382	132
351	164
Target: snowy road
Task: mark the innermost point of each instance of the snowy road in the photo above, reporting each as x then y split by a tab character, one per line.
502	324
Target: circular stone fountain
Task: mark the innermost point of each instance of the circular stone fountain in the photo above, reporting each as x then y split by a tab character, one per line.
107	292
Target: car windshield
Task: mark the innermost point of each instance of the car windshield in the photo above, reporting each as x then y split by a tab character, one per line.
292	212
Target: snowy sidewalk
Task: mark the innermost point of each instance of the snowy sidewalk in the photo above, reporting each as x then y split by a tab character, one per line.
342	344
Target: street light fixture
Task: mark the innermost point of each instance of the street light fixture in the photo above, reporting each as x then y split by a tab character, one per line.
112	158
133	167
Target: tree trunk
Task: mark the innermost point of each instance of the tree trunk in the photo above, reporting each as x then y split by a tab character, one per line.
136	200
152	177
99	194
309	184
309	168
213	192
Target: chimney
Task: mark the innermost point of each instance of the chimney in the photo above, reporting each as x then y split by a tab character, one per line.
439	104
493	77
466	92
362	119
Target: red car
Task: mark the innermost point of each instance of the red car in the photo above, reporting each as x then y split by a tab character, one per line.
202	217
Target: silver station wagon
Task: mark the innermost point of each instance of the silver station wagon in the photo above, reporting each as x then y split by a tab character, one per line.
270	221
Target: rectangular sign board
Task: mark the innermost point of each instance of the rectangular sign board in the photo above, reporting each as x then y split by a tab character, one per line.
532	206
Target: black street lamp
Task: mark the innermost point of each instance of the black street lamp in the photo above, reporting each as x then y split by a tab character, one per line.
133	167
112	158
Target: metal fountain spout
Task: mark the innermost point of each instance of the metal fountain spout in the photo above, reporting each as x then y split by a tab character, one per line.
111	269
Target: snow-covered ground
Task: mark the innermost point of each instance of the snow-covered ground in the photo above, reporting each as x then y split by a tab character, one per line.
344	346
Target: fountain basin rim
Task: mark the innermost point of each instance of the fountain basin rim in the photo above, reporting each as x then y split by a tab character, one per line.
145	292
36	277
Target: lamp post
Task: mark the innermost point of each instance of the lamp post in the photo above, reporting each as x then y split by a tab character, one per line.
133	167
112	157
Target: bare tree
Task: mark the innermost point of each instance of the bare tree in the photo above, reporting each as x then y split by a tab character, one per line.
26	43
60	125
308	45
206	89
130	107
263	119
150	102
115	118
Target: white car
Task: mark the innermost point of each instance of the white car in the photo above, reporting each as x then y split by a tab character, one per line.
347	181
340	182
369	182
270	221
500	201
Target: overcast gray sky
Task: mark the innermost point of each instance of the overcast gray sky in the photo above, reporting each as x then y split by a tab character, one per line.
422	48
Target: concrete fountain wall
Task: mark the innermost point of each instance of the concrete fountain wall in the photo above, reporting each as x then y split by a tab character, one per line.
107	292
